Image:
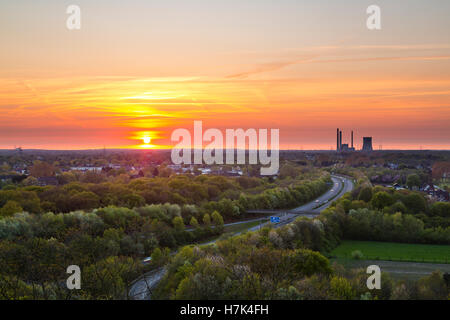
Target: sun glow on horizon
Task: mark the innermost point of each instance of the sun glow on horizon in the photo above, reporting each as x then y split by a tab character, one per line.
104	86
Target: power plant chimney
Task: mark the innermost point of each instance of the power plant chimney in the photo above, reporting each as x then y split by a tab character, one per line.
352	138
337	139
340	140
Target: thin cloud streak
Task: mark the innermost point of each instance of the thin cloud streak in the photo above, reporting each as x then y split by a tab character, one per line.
280	65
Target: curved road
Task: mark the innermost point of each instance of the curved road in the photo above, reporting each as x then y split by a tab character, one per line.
341	185
141	288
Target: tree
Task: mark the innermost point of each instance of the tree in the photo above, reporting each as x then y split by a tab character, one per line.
92	177
66	177
399	207
306	262
365	194
413	180
415	203
194	222
441	209
5	168
157	256
30	181
178	223
42	169
10	208
165	172
83	200
207	219
433	287
217	219
110	278
441	170
28	200
132	200
341	289
382	199
288	170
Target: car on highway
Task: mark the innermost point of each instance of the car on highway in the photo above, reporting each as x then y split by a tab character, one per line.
147	260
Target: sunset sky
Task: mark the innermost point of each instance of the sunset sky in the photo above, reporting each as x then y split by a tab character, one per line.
144	68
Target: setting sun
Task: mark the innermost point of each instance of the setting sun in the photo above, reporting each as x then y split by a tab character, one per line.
235	150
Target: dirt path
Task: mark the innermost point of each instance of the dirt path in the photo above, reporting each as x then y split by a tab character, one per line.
403	270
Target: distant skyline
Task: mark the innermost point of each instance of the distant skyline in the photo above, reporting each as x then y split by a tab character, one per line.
140	69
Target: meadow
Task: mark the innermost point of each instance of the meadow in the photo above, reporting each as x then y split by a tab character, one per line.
372	250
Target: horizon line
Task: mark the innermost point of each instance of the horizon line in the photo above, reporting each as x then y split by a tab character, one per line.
167	149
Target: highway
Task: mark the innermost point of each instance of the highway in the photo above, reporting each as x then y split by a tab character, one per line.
141	288
341	185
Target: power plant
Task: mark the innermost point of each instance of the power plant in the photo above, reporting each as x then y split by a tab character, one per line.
367	144
342	147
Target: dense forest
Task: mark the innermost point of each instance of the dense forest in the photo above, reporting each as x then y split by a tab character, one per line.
108	243
230	196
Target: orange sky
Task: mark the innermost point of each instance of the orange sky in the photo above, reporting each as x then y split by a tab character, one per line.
304	69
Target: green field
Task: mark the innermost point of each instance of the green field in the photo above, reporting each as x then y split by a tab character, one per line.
394	251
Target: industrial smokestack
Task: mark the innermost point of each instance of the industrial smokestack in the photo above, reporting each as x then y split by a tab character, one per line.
352	138
340	140
337	139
